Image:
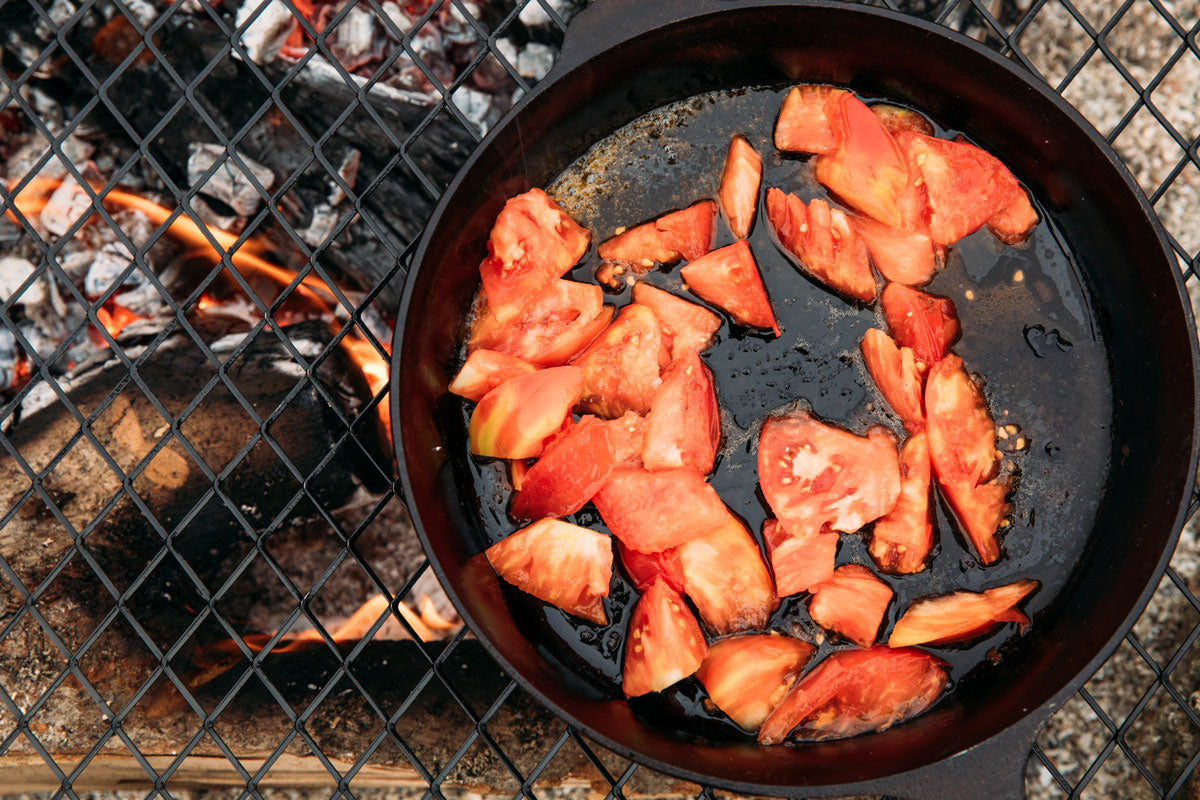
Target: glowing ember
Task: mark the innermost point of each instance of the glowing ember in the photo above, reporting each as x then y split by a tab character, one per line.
114	317
376	370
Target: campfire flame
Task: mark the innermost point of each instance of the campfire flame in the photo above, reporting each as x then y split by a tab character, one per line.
114	317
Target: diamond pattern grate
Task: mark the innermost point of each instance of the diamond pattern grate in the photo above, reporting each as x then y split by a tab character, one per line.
1132	67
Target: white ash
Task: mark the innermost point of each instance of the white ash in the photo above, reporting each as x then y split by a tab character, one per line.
66	206
535	61
269	31
13	273
534	15
320	228
231	182
348	172
143	13
209	215
475	106
136	226
107	268
10	355
26	158
459	28
58	13
353	42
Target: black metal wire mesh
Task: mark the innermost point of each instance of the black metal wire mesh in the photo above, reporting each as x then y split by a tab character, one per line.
1154	674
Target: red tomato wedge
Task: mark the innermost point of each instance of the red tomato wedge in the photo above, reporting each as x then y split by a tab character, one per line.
532	243
685	325
747	676
684	423
517	470
851	603
569	473
515	419
628	434
1013	223
962	449
563	564
645	568
654	511
856	691
814	475
800	561
724	575
665	644
550	329
823	243
622	367
484	370
928	323
964	185
904	256
728	279
805	124
960	616
894	370
686	234
867	170
899	118
739	186
902	539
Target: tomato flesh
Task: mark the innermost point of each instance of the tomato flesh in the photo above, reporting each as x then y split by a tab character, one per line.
622	367
746	676
867	170
484	370
899	118
645	568
569	473
685	325
960	616
685	234
799	561
894	370
684	423
515	419
724	575
728	279
628	435
927	323
665	644
563	564
904	256
655	511
532	243
856	691
551	328
851	603
805	122
1013	223
739	186
823	243
901	540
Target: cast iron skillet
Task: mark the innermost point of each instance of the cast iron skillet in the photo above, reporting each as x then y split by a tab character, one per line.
1104	555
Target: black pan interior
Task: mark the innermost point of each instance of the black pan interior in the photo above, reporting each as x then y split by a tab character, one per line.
1094	548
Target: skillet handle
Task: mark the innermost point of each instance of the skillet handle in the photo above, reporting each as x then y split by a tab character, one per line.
604	23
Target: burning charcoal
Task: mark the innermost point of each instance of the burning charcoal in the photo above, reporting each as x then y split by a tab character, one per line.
112	260
13	273
142	12
266	35
145	300
457	28
324	219
10	356
30	154
65	207
475	106
348	172
209	215
535	61
534	15
353	42
401	23
135	225
42	344
229	183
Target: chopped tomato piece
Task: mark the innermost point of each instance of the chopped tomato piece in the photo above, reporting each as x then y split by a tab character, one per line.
823	243
867	170
739	186
684	424
747	676
962	449
904	256
902	539
484	370
805	124
532	243
518	469
1013	223
928	323
856	691
728	279
894	370
567	566
800	561
899	118
851	603
515	419
686	234
654	511
621	369
685	325
815	475
550	329
964	185
645	568
569	473
724	575
960	616
665	644
628	434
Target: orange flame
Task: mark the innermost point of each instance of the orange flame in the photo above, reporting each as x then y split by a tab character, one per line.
114	317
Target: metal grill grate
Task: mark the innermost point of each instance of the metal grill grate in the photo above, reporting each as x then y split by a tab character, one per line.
1133	732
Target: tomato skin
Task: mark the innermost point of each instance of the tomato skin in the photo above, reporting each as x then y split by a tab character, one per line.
852	603
902	539
628	434
687	234
665	644
684	423
515	419
645	568
799	561
622	367
563	564
740	181
928	323
1013	223
532	243
552	328
960	616
484	370
569	473
805	119
728	279
856	691
899	118
894	370
685	325
867	170
746	676
724	575
517	470
655	511
822	242
904	256
815	475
